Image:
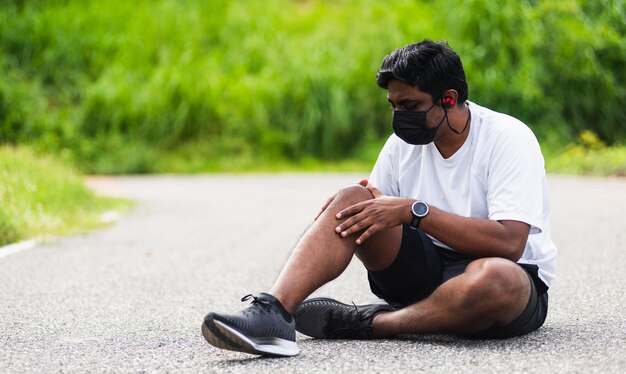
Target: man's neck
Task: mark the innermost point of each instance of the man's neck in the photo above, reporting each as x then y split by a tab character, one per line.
451	142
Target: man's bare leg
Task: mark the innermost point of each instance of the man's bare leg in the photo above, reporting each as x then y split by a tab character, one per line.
321	255
492	291
266	326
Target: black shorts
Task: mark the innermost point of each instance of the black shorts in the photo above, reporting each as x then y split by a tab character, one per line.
421	267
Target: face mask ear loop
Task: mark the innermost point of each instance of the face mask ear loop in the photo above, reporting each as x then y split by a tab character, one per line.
445	113
445	116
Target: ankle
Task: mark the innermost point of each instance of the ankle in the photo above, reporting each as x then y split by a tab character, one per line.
379	323
284	301
286	313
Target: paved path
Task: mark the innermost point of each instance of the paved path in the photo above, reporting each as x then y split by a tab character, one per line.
131	297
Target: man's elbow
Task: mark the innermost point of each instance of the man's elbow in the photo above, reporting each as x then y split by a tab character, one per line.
514	239
515	249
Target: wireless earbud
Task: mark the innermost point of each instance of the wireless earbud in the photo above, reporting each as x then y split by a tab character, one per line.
447	102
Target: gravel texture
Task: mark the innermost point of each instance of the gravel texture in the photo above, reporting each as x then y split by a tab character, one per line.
131	297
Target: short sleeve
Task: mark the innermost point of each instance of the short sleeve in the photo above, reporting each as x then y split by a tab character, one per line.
384	173
516	172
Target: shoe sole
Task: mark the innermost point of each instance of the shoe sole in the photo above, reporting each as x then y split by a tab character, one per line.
216	338
223	336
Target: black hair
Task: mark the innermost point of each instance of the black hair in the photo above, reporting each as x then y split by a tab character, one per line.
432	67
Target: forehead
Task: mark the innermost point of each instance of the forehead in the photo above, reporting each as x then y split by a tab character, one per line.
399	91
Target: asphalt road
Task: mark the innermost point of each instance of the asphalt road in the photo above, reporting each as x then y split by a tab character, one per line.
131	297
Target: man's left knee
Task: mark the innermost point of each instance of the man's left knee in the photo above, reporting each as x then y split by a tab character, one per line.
353	194
497	280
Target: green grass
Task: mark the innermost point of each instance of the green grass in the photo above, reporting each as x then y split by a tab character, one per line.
42	196
202	157
588	156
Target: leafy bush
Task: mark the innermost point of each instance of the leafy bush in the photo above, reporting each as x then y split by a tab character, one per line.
557	65
116	86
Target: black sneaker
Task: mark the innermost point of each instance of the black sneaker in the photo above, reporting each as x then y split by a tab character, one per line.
329	319
263	328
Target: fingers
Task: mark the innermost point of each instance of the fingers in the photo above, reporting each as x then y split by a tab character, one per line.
326	204
363	182
356	224
375	191
328	201
351	210
369	232
352	225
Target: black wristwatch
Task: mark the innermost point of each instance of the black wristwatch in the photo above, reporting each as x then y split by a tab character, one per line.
419	210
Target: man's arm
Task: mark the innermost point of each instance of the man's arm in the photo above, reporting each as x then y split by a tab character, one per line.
471	236
477	237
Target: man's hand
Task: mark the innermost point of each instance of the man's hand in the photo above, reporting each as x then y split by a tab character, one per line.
372	216
362	182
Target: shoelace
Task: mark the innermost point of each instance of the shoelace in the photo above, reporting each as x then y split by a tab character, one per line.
356	308
257	306
255	300
345	325
358	312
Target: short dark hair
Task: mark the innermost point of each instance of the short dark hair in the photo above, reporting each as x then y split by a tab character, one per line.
432	67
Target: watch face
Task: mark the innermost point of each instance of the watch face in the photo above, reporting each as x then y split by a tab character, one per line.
420	209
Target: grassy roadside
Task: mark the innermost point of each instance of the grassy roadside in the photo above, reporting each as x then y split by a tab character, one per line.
588	156
41	196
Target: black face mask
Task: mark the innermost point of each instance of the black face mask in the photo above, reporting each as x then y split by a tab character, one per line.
410	126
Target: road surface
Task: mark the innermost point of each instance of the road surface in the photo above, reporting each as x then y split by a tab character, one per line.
131	297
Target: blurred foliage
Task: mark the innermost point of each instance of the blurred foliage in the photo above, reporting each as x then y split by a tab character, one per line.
40	195
589	155
117	86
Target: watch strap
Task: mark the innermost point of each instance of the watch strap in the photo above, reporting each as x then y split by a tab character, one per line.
415	222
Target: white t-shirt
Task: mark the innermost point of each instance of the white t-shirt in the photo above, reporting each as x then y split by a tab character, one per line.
498	173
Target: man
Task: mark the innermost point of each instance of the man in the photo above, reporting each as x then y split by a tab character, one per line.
452	227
